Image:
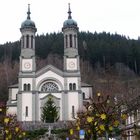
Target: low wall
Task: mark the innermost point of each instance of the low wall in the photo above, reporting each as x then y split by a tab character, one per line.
40	125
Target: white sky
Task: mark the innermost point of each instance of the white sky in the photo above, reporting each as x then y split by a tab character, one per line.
120	16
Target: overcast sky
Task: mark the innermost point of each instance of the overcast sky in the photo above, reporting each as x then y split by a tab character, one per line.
114	16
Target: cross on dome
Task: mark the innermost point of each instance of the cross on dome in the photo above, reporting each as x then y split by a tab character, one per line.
69	12
28	13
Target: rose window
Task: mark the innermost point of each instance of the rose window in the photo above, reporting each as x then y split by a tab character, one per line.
49	87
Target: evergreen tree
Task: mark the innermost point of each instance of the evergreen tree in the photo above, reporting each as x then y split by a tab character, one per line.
49	112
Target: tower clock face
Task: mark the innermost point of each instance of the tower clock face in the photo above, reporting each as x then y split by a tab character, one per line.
27	65
71	64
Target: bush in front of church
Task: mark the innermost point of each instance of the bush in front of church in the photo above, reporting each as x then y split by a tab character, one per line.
12	129
9	127
32	134
101	117
50	111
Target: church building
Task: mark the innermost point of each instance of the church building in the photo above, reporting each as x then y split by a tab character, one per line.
27	98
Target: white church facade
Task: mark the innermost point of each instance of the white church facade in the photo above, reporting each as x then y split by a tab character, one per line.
27	98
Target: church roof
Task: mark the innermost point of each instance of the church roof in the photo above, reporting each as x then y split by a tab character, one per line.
11	104
14	86
85	85
27	23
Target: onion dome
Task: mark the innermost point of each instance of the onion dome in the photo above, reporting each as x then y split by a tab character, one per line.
69	22
28	23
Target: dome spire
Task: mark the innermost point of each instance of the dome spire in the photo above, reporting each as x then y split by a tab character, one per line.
28	23
69	12
69	23
28	13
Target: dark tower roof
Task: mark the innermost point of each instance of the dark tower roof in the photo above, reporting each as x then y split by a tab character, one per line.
28	23
69	22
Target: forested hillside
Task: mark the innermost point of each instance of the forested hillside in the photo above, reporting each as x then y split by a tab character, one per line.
111	60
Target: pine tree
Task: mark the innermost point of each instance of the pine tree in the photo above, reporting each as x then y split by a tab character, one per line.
49	112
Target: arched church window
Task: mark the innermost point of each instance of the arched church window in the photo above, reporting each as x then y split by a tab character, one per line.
66	41
73	112
75	41
27	41
26	111
49	87
84	95
74	86
23	41
28	87
32	41
24	87
70	40
70	86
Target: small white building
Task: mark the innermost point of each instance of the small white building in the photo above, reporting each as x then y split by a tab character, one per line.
27	98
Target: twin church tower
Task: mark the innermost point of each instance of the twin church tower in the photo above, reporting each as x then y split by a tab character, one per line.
27	98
